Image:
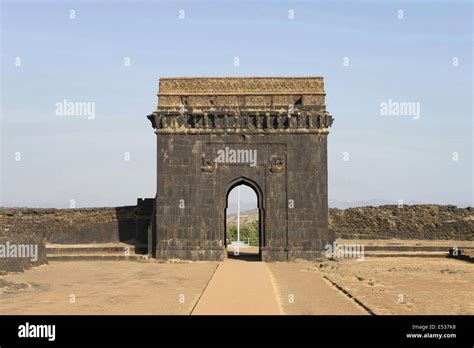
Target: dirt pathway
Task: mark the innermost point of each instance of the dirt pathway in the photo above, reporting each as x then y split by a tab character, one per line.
237	288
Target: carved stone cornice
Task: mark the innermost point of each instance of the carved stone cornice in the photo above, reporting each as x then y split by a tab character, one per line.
237	120
241	105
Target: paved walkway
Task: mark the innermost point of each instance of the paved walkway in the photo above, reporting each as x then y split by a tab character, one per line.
238	288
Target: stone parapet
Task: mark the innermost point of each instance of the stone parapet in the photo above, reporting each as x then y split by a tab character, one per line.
241	91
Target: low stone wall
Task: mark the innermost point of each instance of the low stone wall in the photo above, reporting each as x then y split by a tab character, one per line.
20	252
428	221
79	226
71	226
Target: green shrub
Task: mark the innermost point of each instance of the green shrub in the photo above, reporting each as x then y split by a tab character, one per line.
248	233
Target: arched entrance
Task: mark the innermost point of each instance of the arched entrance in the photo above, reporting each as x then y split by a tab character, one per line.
244	252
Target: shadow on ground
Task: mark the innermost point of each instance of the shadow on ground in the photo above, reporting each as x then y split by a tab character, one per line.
244	256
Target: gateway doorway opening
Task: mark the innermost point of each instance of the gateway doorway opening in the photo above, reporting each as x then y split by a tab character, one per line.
242	229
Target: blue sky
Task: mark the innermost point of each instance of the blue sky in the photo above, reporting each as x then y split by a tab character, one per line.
82	59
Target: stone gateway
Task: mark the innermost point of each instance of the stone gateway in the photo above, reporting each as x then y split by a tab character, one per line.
269	133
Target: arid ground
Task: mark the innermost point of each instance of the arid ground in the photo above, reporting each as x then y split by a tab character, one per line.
376	285
406	285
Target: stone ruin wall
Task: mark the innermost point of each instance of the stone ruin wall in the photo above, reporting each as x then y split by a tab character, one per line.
71	226
426	221
103	225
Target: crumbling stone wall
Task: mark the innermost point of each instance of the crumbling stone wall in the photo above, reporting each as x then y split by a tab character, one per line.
429	221
80	226
71	226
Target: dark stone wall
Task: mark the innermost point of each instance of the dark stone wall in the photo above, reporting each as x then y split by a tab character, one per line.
80	225
427	221
71	226
19	264
196	229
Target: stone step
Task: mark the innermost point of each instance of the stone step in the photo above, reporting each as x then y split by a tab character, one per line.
462	254
94	252
90	249
408	248
95	257
442	254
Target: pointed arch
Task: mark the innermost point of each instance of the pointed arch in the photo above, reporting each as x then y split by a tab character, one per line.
242	180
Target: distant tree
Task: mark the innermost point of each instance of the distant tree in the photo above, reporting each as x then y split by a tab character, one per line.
248	233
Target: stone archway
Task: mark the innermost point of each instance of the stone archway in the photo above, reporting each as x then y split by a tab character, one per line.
260	206
215	132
